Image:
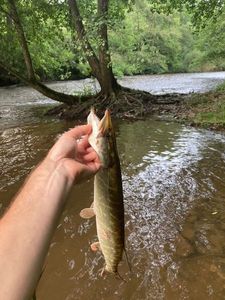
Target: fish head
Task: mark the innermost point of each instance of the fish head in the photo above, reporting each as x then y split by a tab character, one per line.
102	139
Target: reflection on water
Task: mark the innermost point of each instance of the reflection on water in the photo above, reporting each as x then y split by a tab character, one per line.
173	179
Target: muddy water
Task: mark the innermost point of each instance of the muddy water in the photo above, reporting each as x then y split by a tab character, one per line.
173	179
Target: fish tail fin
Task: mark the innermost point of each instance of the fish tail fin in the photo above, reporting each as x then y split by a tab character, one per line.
104	271
118	276
127	260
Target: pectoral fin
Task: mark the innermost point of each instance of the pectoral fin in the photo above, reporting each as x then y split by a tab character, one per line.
87	213
95	247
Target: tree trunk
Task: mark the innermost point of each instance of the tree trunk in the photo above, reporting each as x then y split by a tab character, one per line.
108	82
57	96
31	78
102	66
22	39
86	46
43	89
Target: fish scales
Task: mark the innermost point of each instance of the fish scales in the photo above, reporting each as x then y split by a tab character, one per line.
108	193
109	216
109	210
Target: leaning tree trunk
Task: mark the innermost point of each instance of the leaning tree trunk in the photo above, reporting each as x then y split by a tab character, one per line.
22	39
31	80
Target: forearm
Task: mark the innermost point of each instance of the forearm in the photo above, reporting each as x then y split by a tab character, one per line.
26	229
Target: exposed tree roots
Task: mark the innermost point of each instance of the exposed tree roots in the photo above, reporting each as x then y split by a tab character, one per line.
124	103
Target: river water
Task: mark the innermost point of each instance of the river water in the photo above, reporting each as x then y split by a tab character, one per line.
174	193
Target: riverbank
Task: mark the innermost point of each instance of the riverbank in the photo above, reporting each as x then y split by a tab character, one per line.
128	104
204	110
194	108
22	105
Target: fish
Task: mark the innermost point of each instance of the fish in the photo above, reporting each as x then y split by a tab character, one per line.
108	205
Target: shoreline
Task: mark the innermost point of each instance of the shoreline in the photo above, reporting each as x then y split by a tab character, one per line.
203	110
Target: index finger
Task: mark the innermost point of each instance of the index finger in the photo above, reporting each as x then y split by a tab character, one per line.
79	131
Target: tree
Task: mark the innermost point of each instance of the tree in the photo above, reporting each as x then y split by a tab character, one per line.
211	44
154	43
13	27
23	22
100	63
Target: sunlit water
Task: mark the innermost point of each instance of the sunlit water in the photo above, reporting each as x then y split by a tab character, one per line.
174	193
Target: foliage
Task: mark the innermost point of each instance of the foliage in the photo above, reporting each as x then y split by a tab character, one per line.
154	43
48	38
200	10
144	38
207	109
221	87
211	43
215	114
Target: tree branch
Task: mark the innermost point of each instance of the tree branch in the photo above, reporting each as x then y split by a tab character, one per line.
43	89
12	71
31	80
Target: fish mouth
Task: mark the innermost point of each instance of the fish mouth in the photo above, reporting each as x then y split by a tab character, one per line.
105	124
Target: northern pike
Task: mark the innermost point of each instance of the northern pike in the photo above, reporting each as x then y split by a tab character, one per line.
108	193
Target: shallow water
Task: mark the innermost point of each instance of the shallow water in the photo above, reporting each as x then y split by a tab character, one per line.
17	103
173	179
174	193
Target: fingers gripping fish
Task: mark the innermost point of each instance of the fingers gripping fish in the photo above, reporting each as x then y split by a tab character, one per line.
108	194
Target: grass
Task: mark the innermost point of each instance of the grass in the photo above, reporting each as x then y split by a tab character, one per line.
216	118
207	110
221	87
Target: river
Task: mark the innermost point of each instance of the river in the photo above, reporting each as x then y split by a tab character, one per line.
174	193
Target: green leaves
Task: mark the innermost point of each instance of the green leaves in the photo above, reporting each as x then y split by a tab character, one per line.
211	44
49	40
153	43
200	10
144	38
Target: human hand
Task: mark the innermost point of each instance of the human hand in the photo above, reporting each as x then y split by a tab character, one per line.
74	156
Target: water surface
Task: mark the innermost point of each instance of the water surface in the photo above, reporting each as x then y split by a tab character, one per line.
173	180
17	103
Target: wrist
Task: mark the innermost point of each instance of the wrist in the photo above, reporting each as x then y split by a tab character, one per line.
53	176
58	169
